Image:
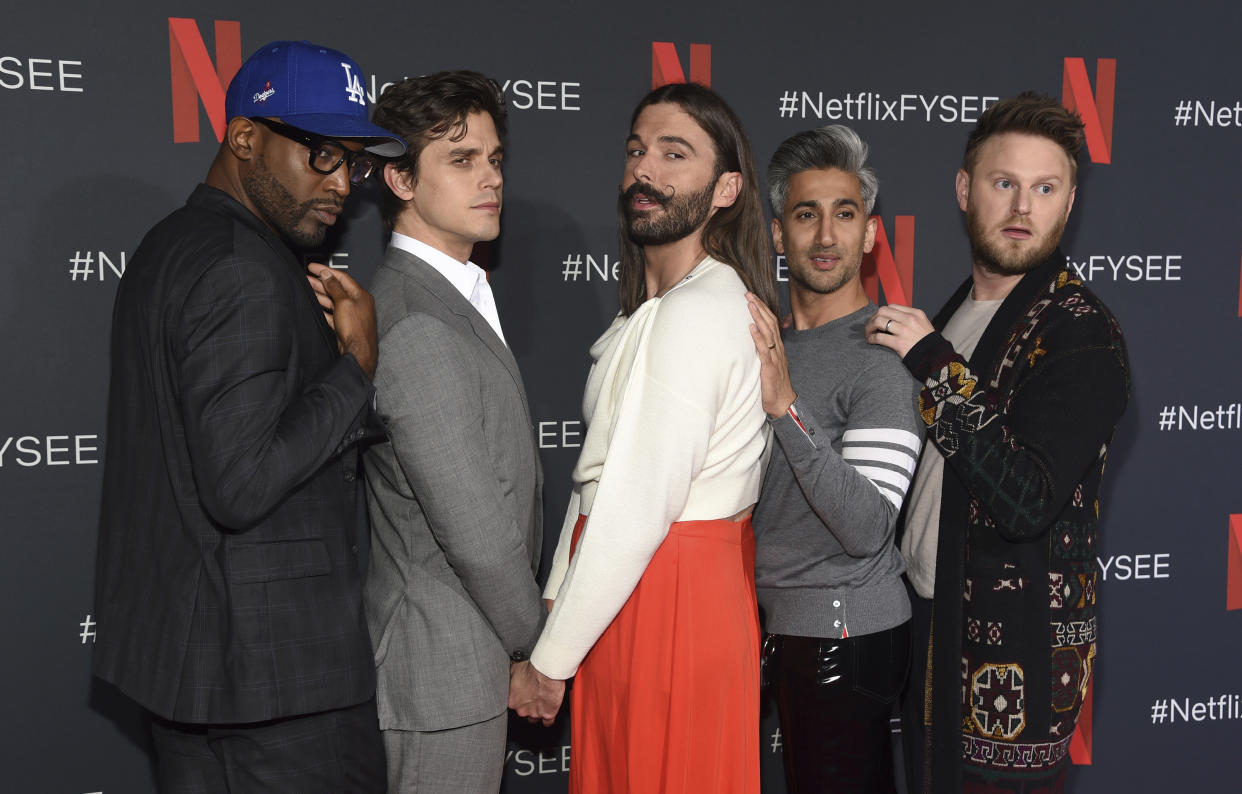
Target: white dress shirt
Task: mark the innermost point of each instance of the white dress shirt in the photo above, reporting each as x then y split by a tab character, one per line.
468	278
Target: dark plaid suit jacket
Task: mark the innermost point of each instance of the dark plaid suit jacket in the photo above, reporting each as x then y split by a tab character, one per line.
227	581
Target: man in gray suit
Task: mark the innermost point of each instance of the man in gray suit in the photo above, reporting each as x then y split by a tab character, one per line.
455	495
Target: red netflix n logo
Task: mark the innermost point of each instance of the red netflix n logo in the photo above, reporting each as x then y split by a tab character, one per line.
666	65
1080	742
194	77
891	266
1233	591
1096	110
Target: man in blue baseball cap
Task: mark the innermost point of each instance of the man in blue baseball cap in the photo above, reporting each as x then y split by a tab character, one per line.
228	574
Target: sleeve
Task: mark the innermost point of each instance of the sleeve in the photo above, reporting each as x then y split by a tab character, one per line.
560	560
255	431
656	449
434	426
1022	465
857	493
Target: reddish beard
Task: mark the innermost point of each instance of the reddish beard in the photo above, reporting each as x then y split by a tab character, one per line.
1003	259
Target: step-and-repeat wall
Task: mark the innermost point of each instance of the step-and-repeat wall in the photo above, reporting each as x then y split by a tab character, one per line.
109	115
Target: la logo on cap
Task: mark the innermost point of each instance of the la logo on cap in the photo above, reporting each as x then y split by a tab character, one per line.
353	86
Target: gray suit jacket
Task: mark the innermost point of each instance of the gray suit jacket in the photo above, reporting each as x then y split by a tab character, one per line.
456	507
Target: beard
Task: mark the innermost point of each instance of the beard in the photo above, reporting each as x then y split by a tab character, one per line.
680	217
279	209
806	276
1006	261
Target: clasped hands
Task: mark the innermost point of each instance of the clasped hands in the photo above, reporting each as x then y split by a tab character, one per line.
533	695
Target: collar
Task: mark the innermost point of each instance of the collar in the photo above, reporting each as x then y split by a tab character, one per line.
216	200
463	277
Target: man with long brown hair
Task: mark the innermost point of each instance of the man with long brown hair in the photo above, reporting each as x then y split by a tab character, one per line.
1025	376
653	580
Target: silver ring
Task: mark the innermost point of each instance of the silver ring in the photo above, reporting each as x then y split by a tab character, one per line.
886	325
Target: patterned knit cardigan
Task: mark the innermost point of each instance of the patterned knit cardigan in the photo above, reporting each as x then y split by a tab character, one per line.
1024	427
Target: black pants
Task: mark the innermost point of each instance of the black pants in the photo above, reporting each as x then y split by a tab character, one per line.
914	733
836	699
330	752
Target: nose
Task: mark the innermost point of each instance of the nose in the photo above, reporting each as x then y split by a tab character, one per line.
493	177
337	182
1021	203
640	167
827	235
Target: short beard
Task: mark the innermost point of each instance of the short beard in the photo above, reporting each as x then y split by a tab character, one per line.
279	209
1001	262
803	273
682	215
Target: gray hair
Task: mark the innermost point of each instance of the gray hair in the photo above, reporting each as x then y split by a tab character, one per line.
833	146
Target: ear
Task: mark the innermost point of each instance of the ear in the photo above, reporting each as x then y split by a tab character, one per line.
962	188
243	138
728	187
869	235
778	236
399	181
1070	206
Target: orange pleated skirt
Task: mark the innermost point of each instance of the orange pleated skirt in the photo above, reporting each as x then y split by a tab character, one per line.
668	699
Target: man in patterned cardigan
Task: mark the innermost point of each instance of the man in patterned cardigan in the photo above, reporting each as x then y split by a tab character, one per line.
1025	376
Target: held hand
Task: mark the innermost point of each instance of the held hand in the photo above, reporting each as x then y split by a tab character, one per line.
898	328
778	393
353	313
533	695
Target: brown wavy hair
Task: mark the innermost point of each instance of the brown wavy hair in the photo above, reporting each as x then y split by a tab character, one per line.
1028	113
737	234
424	109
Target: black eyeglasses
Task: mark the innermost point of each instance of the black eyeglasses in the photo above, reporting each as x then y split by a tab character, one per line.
326	155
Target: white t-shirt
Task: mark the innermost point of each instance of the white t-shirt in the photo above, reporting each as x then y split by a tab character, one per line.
918	544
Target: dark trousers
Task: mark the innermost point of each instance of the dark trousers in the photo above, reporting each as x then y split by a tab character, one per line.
914	734
835	699
329	752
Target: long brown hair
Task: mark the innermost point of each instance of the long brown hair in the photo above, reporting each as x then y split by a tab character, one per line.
737	234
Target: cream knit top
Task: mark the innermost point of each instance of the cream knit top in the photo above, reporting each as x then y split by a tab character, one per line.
675	432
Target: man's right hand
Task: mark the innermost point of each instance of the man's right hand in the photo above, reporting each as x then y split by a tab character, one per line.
533	695
352	314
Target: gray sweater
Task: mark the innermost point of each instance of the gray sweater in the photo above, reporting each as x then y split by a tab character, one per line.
826	563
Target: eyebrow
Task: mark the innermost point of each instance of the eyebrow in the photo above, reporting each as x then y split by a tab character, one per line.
815	204
1002	173
664	139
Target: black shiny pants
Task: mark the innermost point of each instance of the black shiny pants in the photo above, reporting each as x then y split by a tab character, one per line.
836	699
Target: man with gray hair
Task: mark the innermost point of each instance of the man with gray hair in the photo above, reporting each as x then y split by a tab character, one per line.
827	571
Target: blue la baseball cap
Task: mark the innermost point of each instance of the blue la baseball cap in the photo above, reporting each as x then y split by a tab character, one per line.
315	88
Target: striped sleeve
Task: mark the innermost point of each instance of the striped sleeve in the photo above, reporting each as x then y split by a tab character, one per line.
885	456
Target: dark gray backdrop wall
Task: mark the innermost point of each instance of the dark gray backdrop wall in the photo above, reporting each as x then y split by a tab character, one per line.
88	96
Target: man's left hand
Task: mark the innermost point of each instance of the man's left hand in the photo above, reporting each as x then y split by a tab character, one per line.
898	328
